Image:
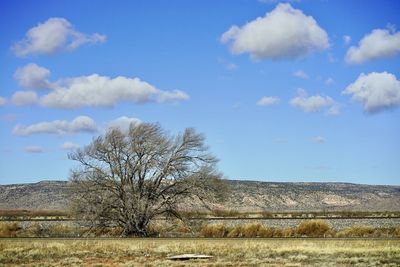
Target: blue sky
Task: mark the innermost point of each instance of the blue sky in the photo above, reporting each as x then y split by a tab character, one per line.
283	91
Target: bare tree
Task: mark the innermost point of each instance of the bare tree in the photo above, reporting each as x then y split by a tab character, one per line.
128	179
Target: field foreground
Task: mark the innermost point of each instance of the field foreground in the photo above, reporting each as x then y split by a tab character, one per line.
226	252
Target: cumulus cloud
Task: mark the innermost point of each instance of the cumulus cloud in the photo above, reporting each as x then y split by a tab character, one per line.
34	149
79	124
123	123
380	43
102	91
54	35
24	98
318	139
375	91
69	146
310	103
32	76
2	101
283	33
170	96
93	90
268	101
300	74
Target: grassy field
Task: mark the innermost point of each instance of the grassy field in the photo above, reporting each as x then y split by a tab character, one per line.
226	252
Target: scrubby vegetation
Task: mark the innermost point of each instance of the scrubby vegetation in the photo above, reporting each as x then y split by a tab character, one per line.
177	228
312	228
9	229
225	252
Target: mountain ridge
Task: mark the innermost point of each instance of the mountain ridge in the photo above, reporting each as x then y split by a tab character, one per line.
243	195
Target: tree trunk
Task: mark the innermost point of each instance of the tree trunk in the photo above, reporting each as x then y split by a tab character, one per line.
135	229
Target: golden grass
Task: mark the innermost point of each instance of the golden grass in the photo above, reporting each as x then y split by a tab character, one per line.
226	252
313	228
214	230
177	228
9	229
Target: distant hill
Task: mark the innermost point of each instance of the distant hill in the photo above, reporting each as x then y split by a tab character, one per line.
41	195
242	195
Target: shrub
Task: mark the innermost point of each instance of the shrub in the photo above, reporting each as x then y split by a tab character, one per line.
357	231
396	232
214	230
9	229
181	227
266	232
313	228
236	231
288	232
277	232
253	229
283	232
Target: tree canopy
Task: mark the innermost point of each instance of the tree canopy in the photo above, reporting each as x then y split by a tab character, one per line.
127	179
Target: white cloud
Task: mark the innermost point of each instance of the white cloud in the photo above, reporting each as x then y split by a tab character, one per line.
24	98
69	146
380	43
329	81
32	76
346	39
268	101
79	124
283	33
34	149
276	1
103	91
318	139
93	90
170	96
123	123
54	35
300	74
3	101
310	103
375	91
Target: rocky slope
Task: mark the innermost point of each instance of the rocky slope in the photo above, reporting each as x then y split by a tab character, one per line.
41	195
242	195
313	196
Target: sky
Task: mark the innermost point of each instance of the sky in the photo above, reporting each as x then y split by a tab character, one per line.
296	91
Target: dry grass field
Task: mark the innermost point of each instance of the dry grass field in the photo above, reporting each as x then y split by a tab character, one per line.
226	252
